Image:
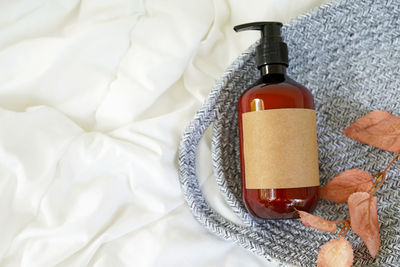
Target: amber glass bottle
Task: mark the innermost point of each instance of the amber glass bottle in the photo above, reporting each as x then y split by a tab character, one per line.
276	92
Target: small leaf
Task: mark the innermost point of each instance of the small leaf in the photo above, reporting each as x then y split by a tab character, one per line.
364	220
317	222
336	253
340	187
378	128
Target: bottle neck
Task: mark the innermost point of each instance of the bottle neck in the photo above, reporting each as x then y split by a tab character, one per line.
273	74
273	69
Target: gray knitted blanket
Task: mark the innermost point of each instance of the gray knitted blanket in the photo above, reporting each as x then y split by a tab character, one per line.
348	54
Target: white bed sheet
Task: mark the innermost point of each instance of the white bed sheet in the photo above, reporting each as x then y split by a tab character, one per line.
94	97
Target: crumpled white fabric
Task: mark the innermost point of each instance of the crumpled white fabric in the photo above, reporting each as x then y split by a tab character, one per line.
94	97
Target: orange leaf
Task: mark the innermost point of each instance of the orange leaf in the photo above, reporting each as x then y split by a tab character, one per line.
336	253
340	187
378	128
364	220
317	222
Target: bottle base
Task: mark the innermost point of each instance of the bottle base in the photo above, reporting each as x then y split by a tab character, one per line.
268	204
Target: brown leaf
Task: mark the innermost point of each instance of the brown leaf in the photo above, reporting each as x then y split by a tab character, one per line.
378	128
340	187
364	220
317	222
336	253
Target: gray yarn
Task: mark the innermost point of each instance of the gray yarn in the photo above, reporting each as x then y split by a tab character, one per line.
348	54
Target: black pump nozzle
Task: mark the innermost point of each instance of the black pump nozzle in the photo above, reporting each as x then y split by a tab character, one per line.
272	49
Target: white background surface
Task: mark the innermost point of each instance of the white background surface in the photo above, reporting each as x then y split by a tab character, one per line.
94	97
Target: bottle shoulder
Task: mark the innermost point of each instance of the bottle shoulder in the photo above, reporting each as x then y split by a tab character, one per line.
286	86
283	94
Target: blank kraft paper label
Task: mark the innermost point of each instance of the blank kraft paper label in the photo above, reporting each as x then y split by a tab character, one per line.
280	148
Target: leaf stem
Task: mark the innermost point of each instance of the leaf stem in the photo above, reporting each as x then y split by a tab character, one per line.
346	227
380	179
381	176
390	164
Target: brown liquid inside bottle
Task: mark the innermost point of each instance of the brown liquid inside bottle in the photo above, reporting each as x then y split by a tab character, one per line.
274	91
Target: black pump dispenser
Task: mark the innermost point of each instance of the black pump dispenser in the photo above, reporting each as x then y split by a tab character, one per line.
271	50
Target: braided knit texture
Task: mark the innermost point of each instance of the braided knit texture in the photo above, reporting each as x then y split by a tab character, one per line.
348	54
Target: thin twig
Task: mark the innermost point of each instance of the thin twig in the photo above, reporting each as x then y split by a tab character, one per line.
393	160
381	176
346	227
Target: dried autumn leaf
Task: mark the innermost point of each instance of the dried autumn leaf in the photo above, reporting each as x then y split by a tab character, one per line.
364	220
340	187
336	253
378	128
317	222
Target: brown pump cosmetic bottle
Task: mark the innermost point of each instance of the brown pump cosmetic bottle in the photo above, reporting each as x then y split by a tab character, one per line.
278	137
